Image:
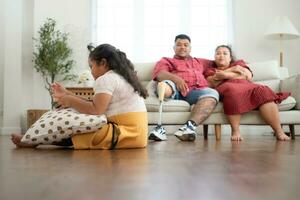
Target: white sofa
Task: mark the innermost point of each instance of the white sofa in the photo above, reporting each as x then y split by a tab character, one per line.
176	112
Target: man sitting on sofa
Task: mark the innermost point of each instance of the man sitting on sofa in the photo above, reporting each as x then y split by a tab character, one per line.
183	78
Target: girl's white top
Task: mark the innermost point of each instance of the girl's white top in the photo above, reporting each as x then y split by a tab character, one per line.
124	99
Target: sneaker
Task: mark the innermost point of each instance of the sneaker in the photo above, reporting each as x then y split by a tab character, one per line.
186	132
158	134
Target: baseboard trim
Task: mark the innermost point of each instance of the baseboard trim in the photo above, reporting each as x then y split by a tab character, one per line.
9	130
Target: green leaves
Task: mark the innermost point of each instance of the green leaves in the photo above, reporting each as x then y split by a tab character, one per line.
52	54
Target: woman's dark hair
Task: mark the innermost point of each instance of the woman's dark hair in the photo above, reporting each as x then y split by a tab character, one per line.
118	62
232	56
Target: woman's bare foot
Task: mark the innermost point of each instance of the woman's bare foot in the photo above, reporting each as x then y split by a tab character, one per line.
282	136
236	136
16	139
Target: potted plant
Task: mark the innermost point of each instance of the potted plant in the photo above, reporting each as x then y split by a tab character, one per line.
52	53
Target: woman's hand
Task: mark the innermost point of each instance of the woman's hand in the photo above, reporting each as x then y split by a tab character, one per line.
213	82
243	72
238	69
236	72
220	75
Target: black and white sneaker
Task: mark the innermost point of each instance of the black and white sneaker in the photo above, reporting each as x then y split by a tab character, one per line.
186	132
158	134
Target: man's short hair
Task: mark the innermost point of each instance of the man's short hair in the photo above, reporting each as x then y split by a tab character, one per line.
182	36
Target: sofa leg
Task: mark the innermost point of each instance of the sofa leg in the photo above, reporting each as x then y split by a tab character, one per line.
218	131
205	131
292	131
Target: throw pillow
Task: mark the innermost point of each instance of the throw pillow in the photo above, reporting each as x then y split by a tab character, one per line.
292	85
267	70
56	125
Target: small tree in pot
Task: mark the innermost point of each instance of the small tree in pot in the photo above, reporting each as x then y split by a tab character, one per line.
52	55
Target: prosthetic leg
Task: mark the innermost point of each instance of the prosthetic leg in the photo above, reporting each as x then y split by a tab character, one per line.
159	133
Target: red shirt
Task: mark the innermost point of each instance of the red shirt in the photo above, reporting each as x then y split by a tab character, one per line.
190	69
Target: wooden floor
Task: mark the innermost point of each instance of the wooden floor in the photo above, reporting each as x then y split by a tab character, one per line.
258	168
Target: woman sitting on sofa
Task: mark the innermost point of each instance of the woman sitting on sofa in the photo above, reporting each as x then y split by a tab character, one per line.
232	79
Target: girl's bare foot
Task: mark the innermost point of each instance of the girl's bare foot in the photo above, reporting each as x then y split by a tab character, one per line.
282	136
236	136
16	139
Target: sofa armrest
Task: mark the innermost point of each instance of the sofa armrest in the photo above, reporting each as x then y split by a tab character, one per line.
292	85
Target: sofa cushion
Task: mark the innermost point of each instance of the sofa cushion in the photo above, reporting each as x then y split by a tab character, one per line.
219	108
292	85
287	104
259	70
152	105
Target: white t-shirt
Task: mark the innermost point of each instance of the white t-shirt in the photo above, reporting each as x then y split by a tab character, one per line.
124	99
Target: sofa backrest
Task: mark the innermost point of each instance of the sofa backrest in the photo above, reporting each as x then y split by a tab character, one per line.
267	72
144	71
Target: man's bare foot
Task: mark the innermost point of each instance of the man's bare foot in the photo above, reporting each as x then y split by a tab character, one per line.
16	139
282	136
236	136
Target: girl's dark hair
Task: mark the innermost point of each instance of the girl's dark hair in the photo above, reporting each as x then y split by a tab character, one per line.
232	56
118	62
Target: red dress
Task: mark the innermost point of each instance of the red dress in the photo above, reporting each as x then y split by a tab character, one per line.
240	96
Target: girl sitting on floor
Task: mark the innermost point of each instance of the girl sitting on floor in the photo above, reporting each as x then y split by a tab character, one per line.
118	94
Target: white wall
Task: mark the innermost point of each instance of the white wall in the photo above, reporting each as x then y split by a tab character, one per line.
1	56
251	20
27	49
12	59
72	17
